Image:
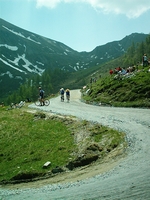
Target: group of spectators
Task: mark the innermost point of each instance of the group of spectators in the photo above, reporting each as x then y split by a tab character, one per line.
122	71
130	69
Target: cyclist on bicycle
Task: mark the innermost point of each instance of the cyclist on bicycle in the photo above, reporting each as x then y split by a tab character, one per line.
68	95
62	94
41	99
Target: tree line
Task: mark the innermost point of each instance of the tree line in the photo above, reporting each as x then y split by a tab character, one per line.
133	57
50	81
135	52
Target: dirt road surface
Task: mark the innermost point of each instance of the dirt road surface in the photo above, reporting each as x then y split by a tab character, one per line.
128	179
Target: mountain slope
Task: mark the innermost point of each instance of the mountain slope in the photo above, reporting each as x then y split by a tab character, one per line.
24	54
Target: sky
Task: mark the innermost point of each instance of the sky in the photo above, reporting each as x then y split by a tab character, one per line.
80	24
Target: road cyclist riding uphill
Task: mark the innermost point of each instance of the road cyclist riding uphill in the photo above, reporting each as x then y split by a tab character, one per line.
42	101
68	95
62	94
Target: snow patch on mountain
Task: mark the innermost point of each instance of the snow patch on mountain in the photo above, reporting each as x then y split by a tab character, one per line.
7	73
121	48
33	40
10	75
67	50
27	65
6	63
40	63
13	48
92	56
18	77
19	34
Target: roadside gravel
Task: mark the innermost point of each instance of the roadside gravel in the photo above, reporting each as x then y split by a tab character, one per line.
127	178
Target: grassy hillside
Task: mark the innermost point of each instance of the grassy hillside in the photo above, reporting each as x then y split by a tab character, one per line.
128	90
28	140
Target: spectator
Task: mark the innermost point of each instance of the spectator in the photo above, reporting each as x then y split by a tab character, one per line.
145	60
110	71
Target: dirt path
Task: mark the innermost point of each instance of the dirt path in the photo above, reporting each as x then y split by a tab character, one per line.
127	178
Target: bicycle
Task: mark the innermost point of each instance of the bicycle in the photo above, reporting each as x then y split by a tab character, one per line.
62	97
45	102
68	98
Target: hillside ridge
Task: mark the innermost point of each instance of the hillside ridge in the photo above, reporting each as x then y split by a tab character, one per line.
25	54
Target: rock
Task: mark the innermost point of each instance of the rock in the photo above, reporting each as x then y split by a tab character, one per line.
57	170
82	161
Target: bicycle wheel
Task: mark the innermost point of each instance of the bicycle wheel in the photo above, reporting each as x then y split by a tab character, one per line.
68	98
46	102
37	103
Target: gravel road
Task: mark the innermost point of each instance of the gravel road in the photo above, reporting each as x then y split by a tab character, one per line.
130	179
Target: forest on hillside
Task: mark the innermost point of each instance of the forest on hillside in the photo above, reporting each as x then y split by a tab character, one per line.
50	82
135	53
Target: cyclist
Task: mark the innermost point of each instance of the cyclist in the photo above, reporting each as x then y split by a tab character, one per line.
41	99
62	94
68	95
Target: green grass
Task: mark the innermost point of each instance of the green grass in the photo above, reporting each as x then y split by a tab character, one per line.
27	142
126	92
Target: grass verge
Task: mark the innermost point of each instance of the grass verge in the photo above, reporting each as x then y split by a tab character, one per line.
29	140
